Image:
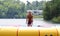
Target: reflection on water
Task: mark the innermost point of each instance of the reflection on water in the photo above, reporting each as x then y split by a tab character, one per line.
22	23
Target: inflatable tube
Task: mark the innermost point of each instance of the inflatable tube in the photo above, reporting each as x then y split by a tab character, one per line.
8	31
48	32
29	31
58	31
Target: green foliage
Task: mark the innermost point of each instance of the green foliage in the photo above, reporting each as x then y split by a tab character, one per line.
56	19
38	16
17	9
52	10
34	5
47	12
11	8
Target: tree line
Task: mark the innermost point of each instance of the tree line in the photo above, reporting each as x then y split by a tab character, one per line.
52	11
17	9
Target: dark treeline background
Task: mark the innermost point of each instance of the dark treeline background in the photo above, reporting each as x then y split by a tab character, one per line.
52	11
17	9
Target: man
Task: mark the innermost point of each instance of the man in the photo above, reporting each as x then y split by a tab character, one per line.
29	19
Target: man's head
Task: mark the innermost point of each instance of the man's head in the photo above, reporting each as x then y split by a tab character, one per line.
29	13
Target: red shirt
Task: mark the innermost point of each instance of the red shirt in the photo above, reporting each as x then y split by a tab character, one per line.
30	18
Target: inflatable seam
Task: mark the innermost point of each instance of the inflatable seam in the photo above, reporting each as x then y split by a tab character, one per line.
17	32
57	32
39	32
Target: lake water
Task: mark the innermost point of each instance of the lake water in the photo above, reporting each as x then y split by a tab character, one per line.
22	23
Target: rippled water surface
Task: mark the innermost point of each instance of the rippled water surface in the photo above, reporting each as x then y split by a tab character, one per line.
22	23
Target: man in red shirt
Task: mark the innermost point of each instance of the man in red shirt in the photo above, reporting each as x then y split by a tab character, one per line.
29	19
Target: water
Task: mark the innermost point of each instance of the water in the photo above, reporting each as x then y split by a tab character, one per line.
22	23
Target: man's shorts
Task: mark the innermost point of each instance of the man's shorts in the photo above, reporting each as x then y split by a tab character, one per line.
29	22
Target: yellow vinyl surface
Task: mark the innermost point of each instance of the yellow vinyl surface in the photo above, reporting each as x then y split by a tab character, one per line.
48	32
28	32
8	31
58	30
11	31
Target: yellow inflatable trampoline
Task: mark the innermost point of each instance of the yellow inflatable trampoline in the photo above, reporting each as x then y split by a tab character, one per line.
18	31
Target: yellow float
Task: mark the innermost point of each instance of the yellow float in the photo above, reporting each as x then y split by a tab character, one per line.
48	32
5	31
13	31
28	32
